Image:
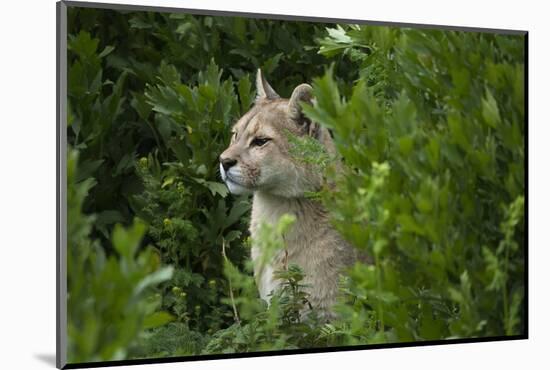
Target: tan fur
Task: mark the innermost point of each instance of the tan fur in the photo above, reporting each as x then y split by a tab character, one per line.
278	183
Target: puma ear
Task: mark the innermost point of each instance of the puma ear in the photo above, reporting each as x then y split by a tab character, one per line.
263	89
303	94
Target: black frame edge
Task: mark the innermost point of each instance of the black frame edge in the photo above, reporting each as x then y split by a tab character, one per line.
289	352
526	181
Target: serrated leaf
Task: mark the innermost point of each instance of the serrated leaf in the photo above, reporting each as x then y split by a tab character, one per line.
214	187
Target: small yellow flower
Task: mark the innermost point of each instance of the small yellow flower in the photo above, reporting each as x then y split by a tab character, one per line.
143	162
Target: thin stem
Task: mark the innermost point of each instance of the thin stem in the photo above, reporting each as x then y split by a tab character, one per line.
235	312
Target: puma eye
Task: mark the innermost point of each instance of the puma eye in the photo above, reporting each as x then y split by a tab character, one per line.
259	141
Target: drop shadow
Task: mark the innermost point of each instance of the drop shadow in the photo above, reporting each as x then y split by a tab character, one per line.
47	358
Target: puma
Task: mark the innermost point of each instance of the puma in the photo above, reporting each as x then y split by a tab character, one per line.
258	161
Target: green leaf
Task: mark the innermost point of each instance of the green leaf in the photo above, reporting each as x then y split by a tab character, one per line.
456	126
245	95
164	100
108	50
237	211
184	28
271	64
214	187
83	44
489	110
125	164
336	41
157	319
155	278
87	168
232	235
339	35
168	181
138	23
139	103
126	241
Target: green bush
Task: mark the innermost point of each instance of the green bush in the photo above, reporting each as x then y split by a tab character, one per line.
434	184
429	126
109	298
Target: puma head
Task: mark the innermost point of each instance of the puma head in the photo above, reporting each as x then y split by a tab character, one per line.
258	157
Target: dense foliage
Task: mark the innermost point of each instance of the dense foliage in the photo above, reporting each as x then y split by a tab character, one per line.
429	124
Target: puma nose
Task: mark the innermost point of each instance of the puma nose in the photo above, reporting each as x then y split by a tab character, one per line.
227	163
